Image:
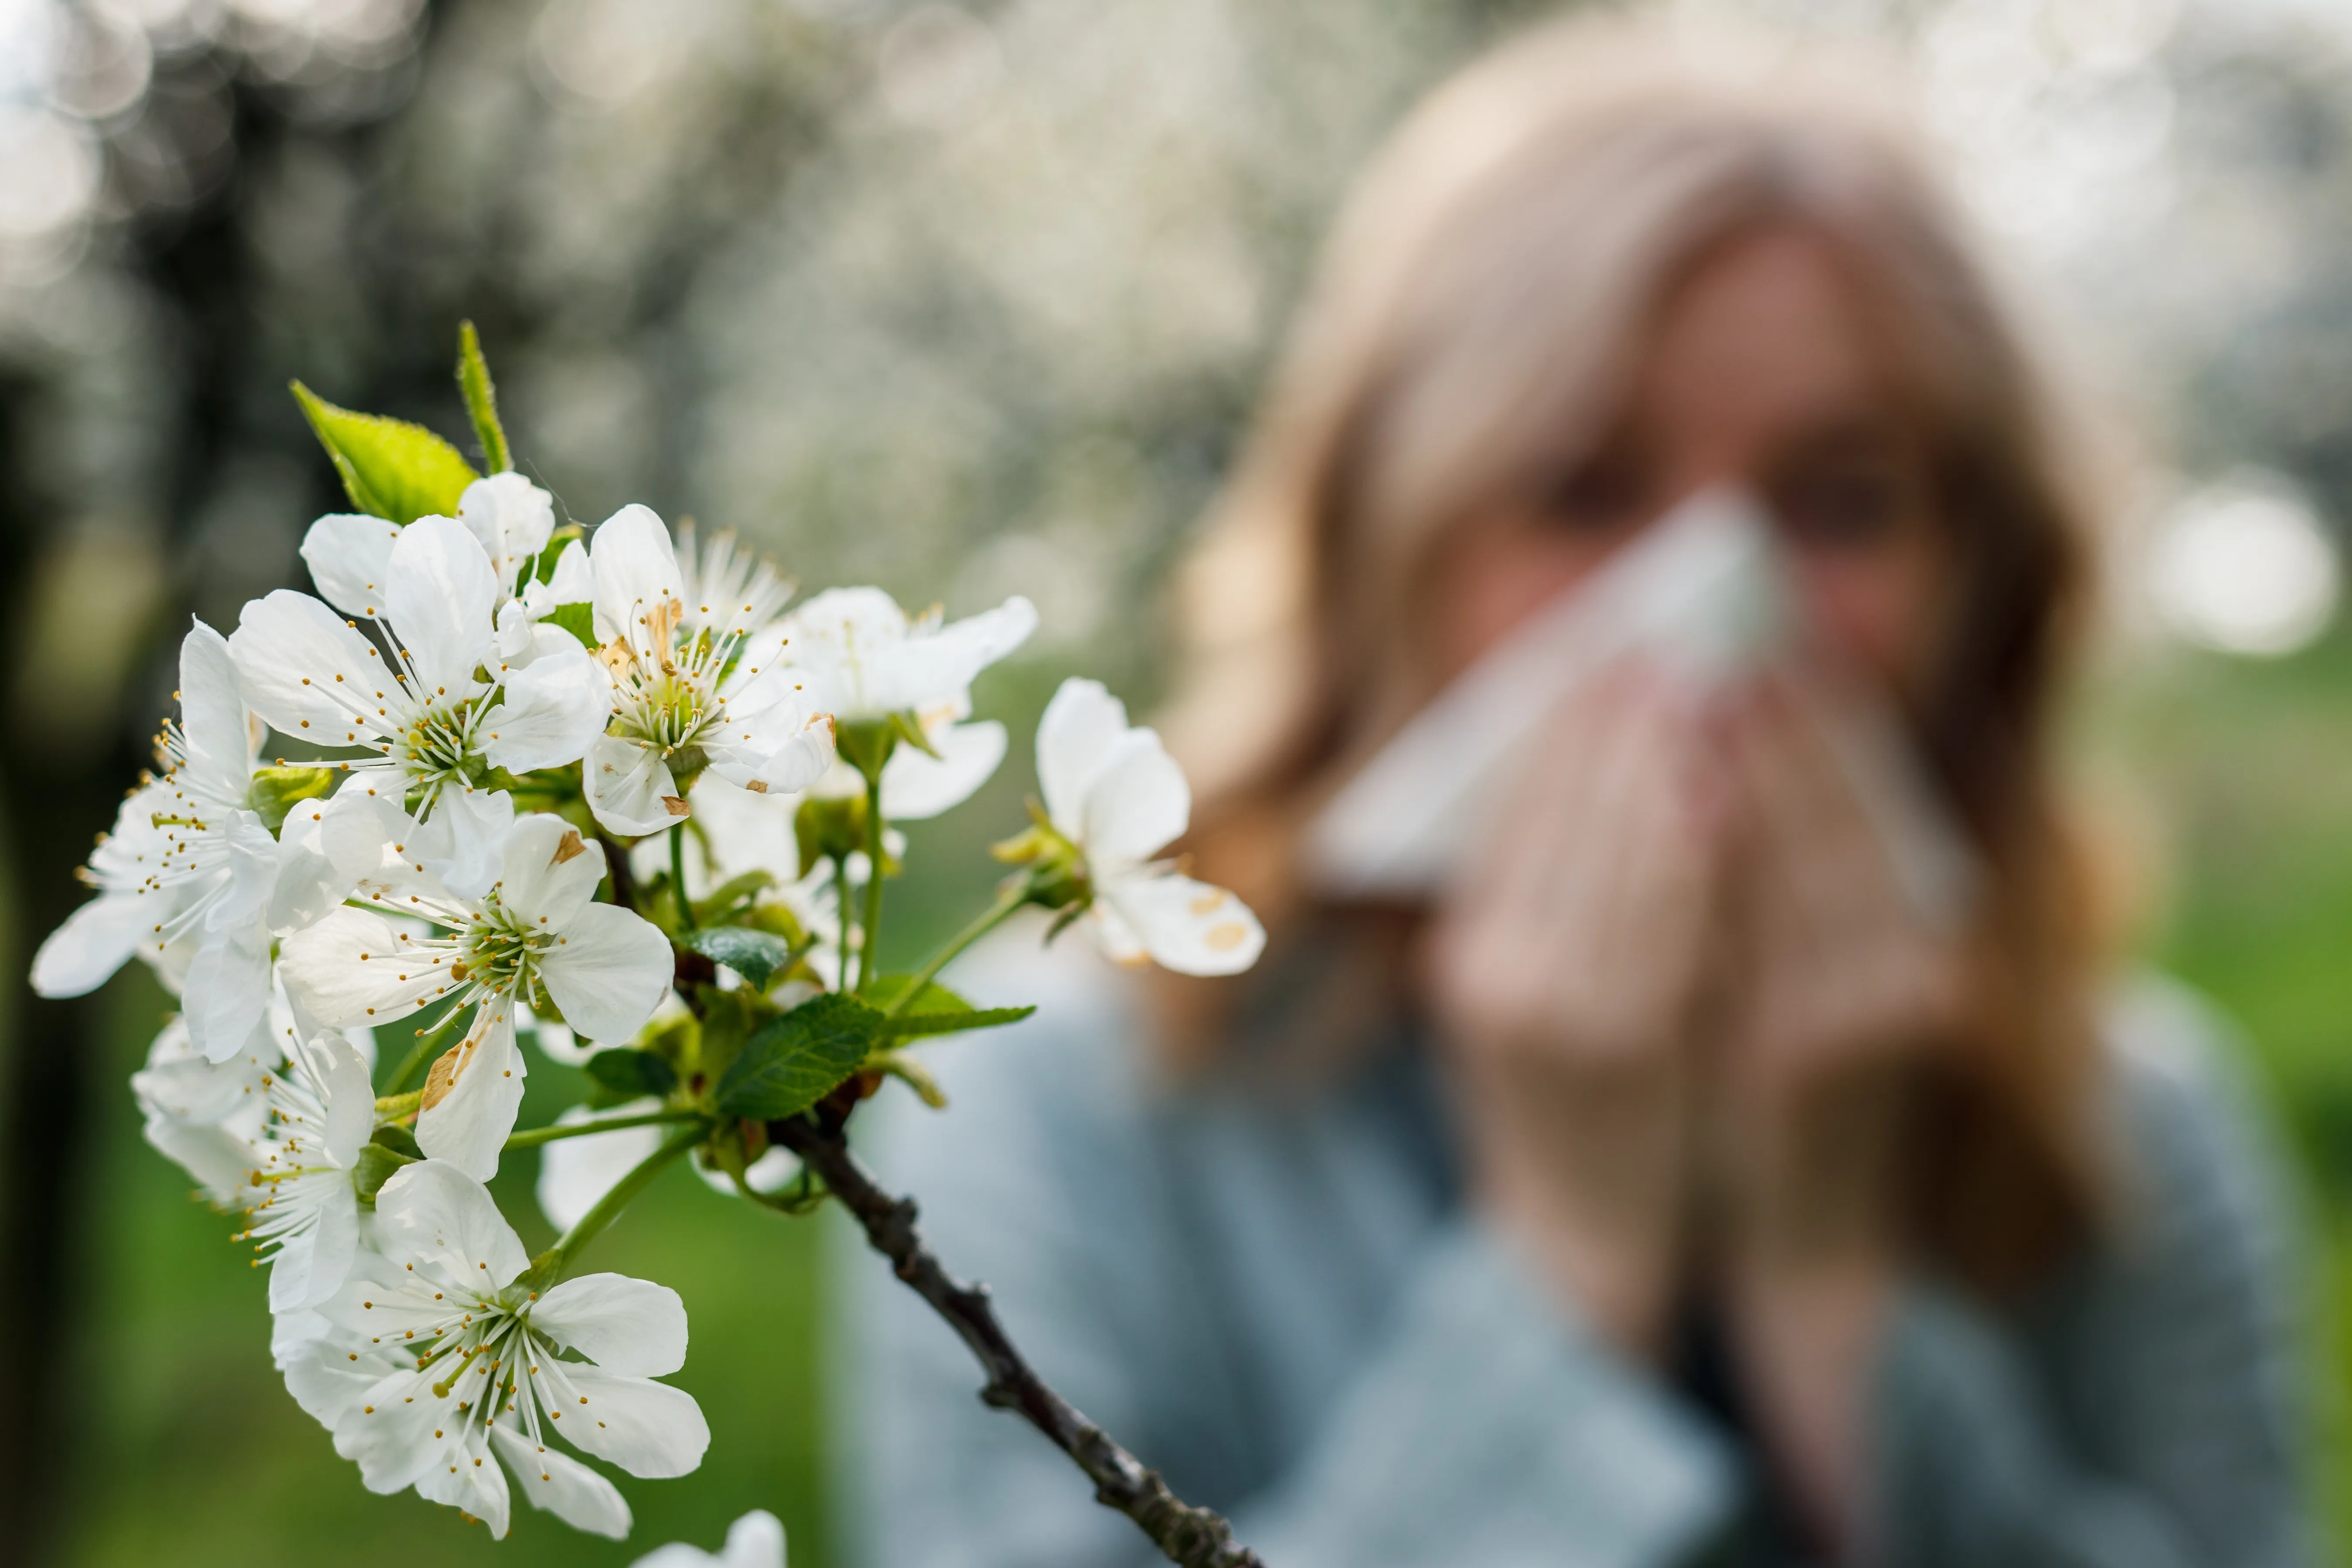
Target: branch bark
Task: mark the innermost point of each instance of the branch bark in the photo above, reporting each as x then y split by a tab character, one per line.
1188	1536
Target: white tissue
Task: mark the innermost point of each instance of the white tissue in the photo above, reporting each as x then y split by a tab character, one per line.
1702	595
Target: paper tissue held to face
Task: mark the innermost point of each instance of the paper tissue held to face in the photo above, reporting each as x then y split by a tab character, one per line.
1702	595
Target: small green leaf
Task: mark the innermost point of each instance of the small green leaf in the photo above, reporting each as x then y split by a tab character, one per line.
392	469
911	1023
631	1074
792	1063
753	954
579	620
276	791
378	1163
481	399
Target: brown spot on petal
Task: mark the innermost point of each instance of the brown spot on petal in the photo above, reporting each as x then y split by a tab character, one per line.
568	846
1226	937
1208	903
674	806
758	787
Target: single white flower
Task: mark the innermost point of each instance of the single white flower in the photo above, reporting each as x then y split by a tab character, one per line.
864	660
698	681
303	1211
1115	798
481	1368
535	928
448	713
754	1541
191	865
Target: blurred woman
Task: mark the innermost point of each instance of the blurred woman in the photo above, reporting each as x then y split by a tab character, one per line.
1671	1189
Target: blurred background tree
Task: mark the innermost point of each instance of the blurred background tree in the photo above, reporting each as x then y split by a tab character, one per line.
966	300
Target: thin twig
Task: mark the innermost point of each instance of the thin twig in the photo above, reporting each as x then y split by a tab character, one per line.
1190	1537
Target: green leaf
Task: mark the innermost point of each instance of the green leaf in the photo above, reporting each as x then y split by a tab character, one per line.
792	1063
481	399
630	1074
277	791
392	469
579	620
753	954
884	991
399	1139
911	1023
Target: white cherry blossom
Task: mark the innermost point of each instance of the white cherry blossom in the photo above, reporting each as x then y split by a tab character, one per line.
477	1383
1115	798
863	660
192	867
448	713
535	930
698	679
754	1541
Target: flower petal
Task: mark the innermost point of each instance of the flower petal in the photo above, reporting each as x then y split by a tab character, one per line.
627	787
924	669
467	1477
1075	738
510	518
630	1328
83	953
754	1541
324	848
463	841
916	786
552	709
608	972
227	991
305	671
574	1172
349	557
212	718
647	1428
341	1074
354	968
1185	925
1136	802
442	602
563	1486
471	1095
547	872
635	568
432	1210
313	1263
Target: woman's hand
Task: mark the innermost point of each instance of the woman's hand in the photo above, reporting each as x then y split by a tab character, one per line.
1563	977
1842	990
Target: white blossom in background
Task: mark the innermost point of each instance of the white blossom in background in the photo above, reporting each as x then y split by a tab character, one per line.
485	1389
754	1541
604	967
1117	798
574	1172
192	867
438	730
697	682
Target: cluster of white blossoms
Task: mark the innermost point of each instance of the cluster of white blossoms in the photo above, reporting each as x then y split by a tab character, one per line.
601	797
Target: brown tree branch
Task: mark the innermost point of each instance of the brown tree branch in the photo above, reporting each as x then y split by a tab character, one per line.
1189	1536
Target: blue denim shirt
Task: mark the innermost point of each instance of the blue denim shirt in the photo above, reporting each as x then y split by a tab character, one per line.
1275	1297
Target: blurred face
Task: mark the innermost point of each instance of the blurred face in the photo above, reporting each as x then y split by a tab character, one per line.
1763	372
